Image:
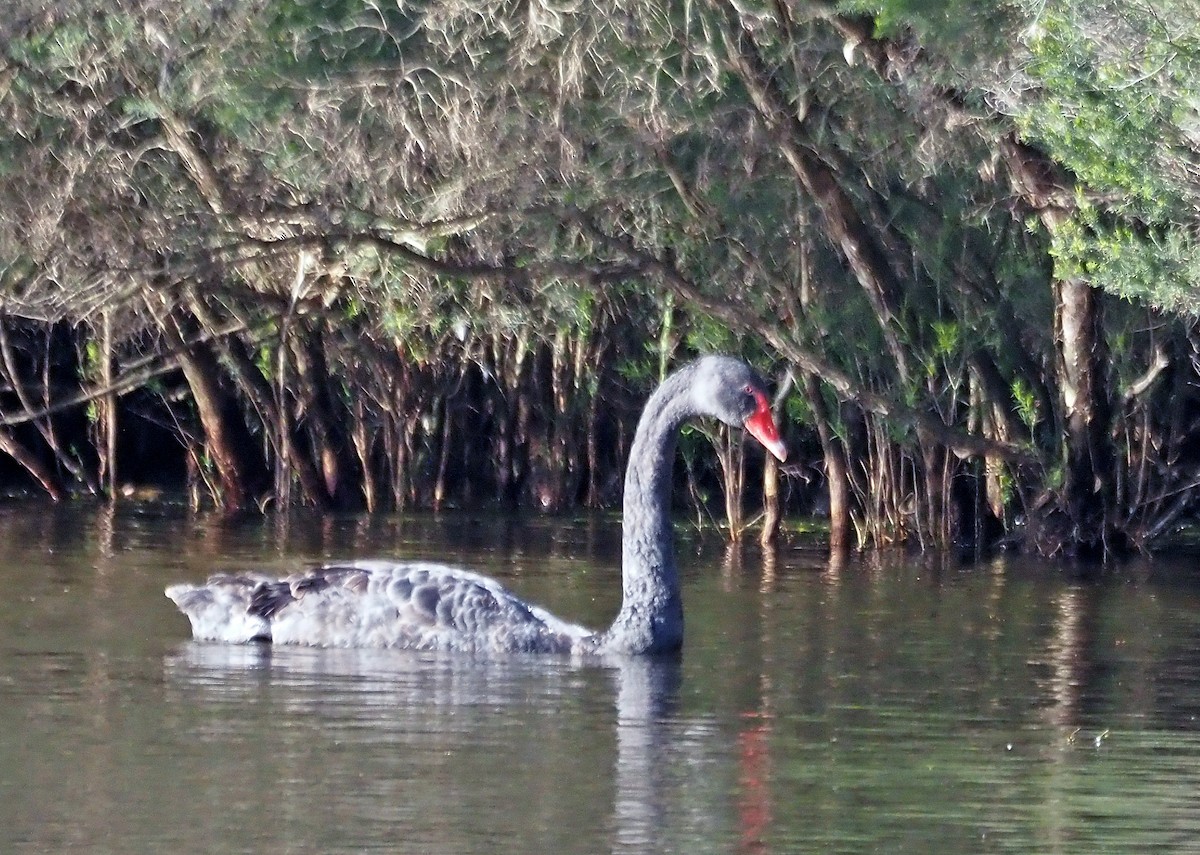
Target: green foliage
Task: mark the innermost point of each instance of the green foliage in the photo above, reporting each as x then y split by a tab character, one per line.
1116	104
947	338
797	411
264	360
706	334
91	358
1007	485
1106	119
1026	403
569	306
1160	265
640	372
536	159
63	47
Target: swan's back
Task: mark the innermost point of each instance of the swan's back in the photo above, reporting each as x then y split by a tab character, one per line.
417	605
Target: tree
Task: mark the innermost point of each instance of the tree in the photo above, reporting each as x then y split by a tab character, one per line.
402	254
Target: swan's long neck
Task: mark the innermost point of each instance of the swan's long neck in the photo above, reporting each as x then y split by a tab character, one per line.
651	616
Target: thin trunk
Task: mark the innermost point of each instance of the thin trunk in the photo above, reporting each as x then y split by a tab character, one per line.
509	361
559	443
408	452
31	464
837	476
447	436
201	374
108	410
281	407
594	499
991	401
313	377
364	445
289	461
731	455
393	444
502	441
45	426
1089	487
934	506
771	512
394	398
194	478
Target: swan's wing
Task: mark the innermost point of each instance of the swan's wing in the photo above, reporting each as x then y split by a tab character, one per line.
418	605
379	604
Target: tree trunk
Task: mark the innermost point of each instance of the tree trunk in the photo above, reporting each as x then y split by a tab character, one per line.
771	512
107	421
1088	489
202	373
837	475
594	498
446	437
30	463
1087	498
45	426
260	395
732	457
1088	494
364	446
314	377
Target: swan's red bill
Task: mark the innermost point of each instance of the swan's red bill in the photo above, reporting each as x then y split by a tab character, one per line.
761	426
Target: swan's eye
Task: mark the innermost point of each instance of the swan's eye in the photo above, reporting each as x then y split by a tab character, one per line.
749	399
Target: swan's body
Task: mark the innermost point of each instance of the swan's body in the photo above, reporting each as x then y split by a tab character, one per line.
418	605
436	607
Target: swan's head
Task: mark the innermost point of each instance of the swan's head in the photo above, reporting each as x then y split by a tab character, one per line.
733	392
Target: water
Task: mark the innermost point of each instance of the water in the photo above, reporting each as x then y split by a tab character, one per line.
879	706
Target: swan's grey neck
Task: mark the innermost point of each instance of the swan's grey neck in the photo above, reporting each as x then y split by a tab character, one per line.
651	616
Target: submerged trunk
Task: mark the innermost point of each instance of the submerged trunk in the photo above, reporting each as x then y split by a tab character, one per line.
771	510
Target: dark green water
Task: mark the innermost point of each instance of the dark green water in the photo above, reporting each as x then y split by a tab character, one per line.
879	706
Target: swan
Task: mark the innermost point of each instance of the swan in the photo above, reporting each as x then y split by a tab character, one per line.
428	606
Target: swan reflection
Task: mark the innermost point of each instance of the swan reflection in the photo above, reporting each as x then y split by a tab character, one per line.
450	721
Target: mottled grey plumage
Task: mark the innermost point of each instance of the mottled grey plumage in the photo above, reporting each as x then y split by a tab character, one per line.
436	607
417	605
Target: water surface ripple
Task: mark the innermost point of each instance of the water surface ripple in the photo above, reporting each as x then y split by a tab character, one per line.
873	705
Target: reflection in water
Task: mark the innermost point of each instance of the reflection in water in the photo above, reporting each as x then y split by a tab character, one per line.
754	750
1067	664
860	704
449	752
387	686
1068	657
391	685
647	694
754	801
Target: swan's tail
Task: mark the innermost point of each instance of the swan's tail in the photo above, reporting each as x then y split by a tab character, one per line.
219	610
